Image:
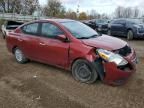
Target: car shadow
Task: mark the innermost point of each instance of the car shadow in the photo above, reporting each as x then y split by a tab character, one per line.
55	69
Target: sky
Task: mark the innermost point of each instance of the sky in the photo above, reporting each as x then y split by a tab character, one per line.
101	6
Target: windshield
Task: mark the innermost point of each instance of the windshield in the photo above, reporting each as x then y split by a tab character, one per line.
135	21
79	30
101	21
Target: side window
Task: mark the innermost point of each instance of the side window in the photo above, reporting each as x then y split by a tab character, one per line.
115	22
122	22
31	29
50	30
119	22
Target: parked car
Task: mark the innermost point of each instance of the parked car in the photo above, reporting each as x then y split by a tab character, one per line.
9	26
101	25
87	22
129	28
74	46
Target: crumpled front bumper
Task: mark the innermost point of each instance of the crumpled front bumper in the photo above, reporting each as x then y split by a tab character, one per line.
111	74
116	76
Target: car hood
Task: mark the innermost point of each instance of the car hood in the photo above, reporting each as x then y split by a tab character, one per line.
102	23
139	25
105	42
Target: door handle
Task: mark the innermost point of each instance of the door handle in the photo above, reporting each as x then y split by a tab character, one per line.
42	44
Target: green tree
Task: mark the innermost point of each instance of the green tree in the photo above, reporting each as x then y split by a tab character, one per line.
62	13
28	6
82	16
18	6
54	8
6	5
71	14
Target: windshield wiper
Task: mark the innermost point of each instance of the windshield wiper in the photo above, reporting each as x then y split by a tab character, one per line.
83	38
93	36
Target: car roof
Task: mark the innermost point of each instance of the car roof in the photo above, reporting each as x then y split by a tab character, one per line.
54	20
100	19
127	19
120	19
58	20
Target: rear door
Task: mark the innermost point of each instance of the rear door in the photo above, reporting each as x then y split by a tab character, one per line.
122	27
29	40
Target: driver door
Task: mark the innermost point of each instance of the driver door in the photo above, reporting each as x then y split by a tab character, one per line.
52	50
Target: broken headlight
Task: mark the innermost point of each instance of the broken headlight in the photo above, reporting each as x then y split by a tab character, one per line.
112	57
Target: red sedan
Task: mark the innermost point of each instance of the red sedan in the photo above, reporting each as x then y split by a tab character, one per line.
74	46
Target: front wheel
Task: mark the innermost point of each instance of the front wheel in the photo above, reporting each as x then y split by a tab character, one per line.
84	72
20	56
130	35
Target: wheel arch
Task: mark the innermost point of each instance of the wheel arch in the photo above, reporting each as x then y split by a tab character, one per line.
96	64
129	29
72	62
13	48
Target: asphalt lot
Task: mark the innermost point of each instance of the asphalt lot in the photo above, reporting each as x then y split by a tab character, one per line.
36	85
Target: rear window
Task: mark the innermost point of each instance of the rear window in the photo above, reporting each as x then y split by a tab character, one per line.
30	29
101	21
118	22
115	21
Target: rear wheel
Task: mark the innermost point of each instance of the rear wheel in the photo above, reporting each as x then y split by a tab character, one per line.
84	72
130	35
20	56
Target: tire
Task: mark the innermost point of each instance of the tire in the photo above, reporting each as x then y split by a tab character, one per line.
19	56
109	32
130	35
84	72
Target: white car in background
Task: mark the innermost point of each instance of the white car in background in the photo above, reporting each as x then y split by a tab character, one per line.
9	26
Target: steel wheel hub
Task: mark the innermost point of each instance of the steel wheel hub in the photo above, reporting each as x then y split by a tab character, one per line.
84	72
18	55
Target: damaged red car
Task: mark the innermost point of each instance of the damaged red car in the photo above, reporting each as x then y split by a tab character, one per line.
74	46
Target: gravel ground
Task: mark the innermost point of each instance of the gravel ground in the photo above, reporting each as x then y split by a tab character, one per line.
36	85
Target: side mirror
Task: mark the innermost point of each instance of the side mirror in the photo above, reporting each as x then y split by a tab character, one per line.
62	38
